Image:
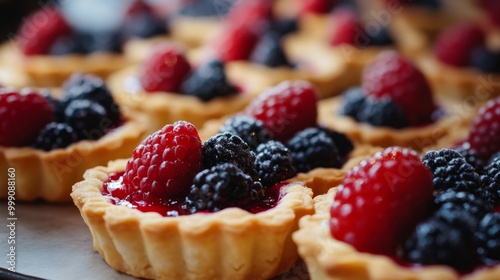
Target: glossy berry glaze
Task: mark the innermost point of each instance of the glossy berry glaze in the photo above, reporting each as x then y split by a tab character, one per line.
115	191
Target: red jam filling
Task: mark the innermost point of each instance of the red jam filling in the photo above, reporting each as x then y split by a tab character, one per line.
114	190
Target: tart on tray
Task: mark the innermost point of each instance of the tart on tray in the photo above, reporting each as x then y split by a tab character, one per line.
51	140
426	222
180	208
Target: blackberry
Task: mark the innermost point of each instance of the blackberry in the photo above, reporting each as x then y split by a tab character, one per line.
431	4
311	148
222	186
87	119
229	148
485	60
380	37
470	156
382	112
206	8
353	100
494	157
273	162
451	171
452	200
251	130
92	88
55	136
208	82
458	218
98	42
143	24
65	45
281	27
488	238
342	142
269	52
57	104
491	181
436	242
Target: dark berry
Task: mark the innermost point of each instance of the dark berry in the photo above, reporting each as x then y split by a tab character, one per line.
208	82
494	157
353	100
437	242
452	200
380	37
488	238
342	142
269	52
55	136
98	42
284	26
432	4
273	162
87	118
491	181
382	112
206	8
229	148
56	104
64	45
470	156
451	171
222	186
92	88
458	218
143	24
251	130
485	60
313	148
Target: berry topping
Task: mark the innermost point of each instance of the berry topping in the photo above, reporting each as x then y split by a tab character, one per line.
222	186
140	22
486	60
286	109
249	129
451	171
382	112
313	148
208	82
394	77
164	165
488	238
273	162
55	136
164	69
456	44
484	136
22	116
381	200
491	181
56	104
341	141
229	148
470	156
41	30
284	26
345	28
269	52
353	100
316	6
88	118
381	37
455	201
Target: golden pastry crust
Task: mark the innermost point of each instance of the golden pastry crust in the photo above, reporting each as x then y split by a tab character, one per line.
417	138
50	175
165	107
230	244
328	258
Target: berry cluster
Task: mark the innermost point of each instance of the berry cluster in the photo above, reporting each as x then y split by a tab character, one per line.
464	45
394	93
425	211
53	35
167	70
250	32
85	111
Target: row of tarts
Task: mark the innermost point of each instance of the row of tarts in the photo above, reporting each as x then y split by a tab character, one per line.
337	157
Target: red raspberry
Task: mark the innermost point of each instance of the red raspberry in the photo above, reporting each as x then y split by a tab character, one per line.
381	200
316	6
40	30
286	109
345	27
392	76
484	136
456	44
165	69
22	116
163	166
492	9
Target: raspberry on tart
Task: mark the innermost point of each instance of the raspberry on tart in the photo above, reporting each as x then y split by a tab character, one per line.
219	213
53	139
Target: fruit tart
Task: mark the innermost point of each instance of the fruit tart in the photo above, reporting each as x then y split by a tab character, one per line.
207	198
465	61
285	117
345	41
50	140
396	216
395	105
168	87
